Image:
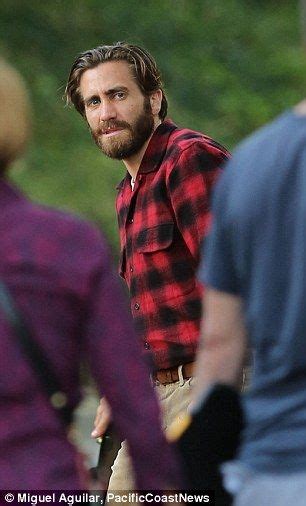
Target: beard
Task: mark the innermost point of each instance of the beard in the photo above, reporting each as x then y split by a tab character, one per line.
132	137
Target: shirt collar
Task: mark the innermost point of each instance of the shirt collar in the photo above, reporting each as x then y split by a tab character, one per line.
156	149
157	146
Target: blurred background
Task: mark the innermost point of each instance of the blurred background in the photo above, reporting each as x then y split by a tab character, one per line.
228	66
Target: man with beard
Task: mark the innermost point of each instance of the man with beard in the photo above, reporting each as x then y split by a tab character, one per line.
163	213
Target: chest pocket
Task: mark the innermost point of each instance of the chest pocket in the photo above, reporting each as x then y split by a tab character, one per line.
155	238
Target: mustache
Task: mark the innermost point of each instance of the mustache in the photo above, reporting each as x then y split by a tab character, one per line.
111	125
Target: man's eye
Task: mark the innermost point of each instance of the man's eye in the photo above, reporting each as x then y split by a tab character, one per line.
93	101
120	95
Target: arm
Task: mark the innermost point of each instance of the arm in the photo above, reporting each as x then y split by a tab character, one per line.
122	376
223	342
190	185
102	419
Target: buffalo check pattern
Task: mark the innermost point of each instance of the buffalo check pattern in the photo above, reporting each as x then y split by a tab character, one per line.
162	223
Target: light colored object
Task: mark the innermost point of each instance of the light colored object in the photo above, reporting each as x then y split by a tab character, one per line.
178	427
14	115
174	401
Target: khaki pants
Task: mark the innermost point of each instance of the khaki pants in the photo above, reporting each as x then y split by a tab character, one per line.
174	399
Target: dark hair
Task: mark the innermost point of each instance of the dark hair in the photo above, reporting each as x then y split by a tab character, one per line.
141	62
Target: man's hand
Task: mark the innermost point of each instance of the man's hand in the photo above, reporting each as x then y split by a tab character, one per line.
103	419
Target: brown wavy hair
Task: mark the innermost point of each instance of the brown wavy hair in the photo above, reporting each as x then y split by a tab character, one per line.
142	64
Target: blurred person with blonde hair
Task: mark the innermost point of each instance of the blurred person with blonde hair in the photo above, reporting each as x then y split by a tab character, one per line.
57	270
14	117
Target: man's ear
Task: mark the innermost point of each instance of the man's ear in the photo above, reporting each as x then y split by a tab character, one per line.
155	101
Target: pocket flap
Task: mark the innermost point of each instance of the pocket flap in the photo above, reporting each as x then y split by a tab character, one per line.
155	238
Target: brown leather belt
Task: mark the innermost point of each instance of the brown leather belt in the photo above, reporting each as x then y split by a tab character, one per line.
166	376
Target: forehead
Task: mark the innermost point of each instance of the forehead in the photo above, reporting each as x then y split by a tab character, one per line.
106	76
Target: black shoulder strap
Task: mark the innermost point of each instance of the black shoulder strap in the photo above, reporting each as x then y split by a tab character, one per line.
35	355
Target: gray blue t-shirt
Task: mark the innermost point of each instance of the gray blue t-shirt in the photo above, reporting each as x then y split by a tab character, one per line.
257	250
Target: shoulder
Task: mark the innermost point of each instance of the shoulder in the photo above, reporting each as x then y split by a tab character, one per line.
258	166
185	138
186	144
58	231
59	219
265	141
191	153
55	247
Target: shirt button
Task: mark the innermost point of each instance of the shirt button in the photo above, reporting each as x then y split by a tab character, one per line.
131	268
137	306
131	220
147	346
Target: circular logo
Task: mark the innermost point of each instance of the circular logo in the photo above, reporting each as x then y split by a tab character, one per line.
9	497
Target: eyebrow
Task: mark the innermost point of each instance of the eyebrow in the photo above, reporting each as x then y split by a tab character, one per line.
115	90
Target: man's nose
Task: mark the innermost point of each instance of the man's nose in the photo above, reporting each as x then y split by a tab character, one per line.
107	111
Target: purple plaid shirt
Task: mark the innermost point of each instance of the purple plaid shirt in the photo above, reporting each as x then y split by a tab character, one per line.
58	270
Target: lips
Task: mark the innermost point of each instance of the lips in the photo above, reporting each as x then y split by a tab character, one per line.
112	128
111	131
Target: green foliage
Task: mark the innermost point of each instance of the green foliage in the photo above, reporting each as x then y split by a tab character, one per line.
228	66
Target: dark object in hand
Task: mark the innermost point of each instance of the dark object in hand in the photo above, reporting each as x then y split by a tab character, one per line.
109	447
211	438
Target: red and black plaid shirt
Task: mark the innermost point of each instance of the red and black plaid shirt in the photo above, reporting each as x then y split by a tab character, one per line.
162	223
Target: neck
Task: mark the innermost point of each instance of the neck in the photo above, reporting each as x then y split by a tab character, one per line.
133	162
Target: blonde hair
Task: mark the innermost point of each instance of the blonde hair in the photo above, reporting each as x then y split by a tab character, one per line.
14	115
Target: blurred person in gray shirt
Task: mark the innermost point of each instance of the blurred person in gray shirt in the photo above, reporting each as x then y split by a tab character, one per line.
255	273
